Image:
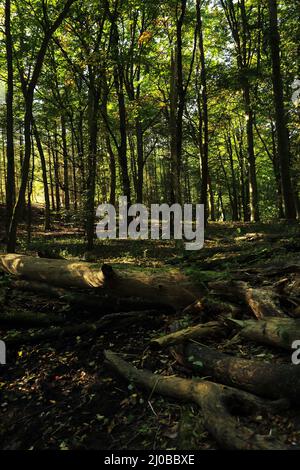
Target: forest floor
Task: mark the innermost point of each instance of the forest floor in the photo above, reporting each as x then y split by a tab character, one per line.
59	394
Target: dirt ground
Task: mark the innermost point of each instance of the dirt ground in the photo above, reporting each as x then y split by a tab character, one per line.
60	394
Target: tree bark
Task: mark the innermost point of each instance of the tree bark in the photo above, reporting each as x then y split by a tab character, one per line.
274	381
278	332
193	332
10	158
65	161
204	101
282	130
93	112
45	178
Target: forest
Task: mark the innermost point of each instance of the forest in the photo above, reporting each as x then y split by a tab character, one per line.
136	343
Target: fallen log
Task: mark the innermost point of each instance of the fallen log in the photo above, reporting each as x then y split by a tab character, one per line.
219	404
193	332
115	320
93	303
171	288
266	380
278	332
264	302
27	319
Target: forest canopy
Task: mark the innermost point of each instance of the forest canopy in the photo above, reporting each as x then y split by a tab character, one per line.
169	101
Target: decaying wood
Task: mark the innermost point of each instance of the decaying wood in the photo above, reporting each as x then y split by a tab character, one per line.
267	380
115	320
211	307
219	404
168	288
93	303
263	301
193	332
279	332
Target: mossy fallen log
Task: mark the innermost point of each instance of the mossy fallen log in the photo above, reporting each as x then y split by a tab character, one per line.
193	332
169	288
278	332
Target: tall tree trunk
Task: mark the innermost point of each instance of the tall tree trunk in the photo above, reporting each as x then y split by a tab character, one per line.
235	204
56	171
212	212
177	99
75	198
45	178
254	206
65	159
241	32
51	180
112	167
281	123
175	183
122	147
19	207
140	160
204	100
28	93
10	183
93	111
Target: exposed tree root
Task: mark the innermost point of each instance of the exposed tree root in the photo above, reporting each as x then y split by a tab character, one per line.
267	380
220	405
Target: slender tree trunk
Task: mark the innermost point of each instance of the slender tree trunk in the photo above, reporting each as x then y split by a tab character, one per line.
51	180
212	211
204	100
276	166
56	171
75	201
281	124
93	112
65	159
19	207
122	147
235	204
45	177
140	160
10	184
28	93
175	183
29	196
254	206
177	103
